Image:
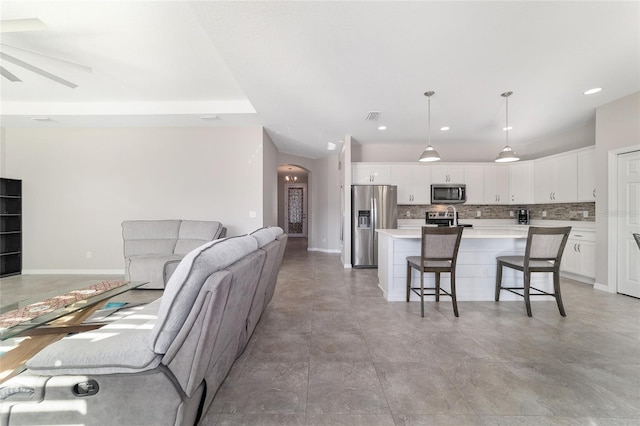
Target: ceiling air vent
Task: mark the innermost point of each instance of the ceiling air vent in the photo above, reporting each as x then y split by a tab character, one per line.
373	115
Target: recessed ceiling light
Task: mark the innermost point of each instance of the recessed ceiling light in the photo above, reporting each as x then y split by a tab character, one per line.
382	128
592	91
208	117
331	146
445	128
507	128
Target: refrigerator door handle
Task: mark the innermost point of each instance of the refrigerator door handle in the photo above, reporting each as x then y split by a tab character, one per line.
374	216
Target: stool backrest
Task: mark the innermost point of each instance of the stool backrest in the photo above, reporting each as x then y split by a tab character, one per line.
546	243
441	243
637	237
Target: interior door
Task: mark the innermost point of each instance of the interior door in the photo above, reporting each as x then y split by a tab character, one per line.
295	209
628	223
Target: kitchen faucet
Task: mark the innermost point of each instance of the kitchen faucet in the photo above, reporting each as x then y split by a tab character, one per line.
454	222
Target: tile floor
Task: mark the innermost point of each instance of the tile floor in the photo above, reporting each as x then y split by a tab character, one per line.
330	350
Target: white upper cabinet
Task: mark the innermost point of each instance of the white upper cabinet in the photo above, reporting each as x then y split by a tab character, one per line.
587	175
370	174
447	174
556	179
521	177
474	179
496	184
414	183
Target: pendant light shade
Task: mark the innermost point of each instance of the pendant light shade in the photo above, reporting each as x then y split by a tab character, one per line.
429	154
507	155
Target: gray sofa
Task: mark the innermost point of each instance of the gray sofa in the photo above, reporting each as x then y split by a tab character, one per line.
153	248
164	364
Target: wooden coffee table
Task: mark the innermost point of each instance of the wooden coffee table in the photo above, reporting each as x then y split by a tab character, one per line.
38	323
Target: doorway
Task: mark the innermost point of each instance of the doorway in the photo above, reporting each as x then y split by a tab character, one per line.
293	200
628	267
295	209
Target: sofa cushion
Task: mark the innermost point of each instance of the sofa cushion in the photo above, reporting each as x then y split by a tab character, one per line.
102	351
266	235
182	289
151	267
194	233
149	236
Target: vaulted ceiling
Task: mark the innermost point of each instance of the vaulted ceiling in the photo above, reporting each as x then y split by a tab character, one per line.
310	72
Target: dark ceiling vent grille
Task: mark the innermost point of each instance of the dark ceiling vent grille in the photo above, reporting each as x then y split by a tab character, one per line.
373	115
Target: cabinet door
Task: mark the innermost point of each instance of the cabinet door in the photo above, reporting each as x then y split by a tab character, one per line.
447	174
587	252
474	179
496	184
414	183
566	179
587	176
521	179
543	176
368	174
570	257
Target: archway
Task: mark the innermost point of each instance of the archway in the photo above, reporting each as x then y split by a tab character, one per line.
293	200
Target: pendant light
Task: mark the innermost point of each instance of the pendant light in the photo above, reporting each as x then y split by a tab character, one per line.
429	153
507	155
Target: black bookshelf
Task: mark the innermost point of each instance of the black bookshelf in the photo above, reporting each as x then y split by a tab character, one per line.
10	227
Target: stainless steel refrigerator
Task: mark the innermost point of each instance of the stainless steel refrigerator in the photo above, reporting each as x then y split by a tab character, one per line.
372	207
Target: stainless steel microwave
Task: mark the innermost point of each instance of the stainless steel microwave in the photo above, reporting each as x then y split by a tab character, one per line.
448	193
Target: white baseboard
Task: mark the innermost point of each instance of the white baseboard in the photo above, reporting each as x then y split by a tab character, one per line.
347	266
602	287
579	278
323	250
73	272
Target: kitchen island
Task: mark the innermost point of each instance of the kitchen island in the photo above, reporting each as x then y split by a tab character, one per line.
475	270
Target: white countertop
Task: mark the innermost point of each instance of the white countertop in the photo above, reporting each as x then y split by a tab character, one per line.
468	233
505	223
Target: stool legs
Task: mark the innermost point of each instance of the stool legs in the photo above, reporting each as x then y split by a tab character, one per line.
408	281
556	289
527	287
498	280
453	293
422	294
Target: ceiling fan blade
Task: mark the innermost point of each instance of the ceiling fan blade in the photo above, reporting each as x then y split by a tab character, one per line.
37	70
17	25
44	55
8	75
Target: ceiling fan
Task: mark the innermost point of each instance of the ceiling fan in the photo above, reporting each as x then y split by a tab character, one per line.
30	24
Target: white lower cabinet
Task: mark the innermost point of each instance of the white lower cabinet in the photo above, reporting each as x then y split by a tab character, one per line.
579	256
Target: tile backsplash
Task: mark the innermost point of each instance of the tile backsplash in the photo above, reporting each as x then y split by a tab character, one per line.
560	211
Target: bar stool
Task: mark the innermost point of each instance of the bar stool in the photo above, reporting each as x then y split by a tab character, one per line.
438	254
543	253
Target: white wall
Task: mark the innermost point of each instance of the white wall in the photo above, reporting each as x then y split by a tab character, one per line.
617	128
80	184
326	230
324	200
269	181
345	200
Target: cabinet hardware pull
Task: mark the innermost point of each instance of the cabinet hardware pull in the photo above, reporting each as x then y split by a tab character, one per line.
579	251
594	193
